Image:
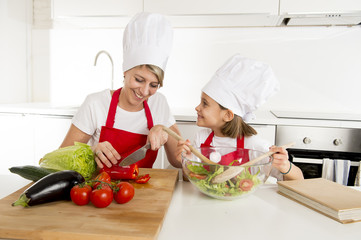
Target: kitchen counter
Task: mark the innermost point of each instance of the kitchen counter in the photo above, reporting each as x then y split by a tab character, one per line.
263	215
187	115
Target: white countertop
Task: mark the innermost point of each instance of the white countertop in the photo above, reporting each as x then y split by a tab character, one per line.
263	215
263	116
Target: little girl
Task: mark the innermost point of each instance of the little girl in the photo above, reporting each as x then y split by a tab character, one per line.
229	99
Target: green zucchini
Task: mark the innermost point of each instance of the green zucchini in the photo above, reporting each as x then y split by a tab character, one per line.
30	172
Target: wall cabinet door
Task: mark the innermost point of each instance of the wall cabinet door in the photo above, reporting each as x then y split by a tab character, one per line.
203	13
100	8
94	13
319	6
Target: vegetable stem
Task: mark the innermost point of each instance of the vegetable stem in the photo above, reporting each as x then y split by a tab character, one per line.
22	201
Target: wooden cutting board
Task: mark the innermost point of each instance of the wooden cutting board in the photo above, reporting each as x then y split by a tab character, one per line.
141	218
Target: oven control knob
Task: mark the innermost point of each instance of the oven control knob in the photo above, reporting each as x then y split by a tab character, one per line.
337	142
307	140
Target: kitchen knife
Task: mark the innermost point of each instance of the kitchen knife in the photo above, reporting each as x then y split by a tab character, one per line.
135	156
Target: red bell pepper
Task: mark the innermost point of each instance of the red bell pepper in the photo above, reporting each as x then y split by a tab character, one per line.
117	172
142	179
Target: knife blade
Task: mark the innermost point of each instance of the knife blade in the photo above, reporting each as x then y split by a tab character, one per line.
135	156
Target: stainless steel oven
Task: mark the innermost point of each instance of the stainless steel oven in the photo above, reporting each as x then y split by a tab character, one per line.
314	144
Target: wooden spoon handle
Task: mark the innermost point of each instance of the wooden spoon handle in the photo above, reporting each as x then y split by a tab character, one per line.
194	151
267	154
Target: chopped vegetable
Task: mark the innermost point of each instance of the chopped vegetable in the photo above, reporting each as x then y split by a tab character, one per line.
142	179
122	173
78	157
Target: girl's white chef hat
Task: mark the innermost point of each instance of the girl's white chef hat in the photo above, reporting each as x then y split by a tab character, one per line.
147	39
242	85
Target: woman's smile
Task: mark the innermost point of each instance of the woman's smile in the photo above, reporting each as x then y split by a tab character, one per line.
138	96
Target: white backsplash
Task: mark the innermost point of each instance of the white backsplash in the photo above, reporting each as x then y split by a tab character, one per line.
319	68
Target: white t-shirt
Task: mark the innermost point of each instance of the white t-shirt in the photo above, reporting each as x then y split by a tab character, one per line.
253	142
92	115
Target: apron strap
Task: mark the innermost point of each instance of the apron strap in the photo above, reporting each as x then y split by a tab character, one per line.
209	140
148	114
207	143
240	142
113	110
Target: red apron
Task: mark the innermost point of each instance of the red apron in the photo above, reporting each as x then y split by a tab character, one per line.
127	142
229	157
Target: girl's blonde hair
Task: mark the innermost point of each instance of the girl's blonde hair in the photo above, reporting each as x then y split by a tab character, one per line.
237	127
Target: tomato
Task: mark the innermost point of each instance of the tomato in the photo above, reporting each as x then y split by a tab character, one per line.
80	194
199	176
103	177
124	192
102	196
142	179
246	184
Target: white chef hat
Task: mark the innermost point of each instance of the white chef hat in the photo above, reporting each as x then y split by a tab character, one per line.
242	85
147	39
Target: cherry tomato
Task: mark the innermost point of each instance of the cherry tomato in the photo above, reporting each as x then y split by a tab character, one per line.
103	177
102	196
199	176
80	194
124	192
142	179
246	184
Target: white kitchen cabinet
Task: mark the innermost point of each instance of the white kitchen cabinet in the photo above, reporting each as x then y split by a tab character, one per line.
49	132
16	141
94	13
25	138
218	13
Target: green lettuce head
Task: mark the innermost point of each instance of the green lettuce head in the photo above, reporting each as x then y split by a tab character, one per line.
78	157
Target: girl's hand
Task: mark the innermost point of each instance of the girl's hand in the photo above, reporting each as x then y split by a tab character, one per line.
280	159
183	147
105	154
157	137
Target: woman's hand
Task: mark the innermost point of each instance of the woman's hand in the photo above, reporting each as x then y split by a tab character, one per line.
157	137
183	147
105	154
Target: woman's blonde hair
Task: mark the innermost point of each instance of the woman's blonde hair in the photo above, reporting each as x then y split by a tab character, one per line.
157	71
237	127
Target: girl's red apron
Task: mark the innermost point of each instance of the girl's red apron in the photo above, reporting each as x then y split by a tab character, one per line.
230	157
127	142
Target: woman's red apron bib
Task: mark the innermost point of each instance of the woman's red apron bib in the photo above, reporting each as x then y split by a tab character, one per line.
226	159
127	142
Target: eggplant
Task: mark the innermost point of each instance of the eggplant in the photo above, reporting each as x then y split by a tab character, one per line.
53	187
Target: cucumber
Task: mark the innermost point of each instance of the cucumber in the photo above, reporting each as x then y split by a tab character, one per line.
33	173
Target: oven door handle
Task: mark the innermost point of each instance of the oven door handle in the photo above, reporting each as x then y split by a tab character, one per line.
318	161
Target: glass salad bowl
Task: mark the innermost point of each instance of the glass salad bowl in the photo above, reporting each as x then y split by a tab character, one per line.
226	179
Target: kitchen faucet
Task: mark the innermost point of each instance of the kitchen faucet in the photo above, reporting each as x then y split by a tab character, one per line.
111	60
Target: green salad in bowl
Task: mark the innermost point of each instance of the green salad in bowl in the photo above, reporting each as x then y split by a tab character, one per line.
227	178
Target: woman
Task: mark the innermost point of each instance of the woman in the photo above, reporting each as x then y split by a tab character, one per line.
116	123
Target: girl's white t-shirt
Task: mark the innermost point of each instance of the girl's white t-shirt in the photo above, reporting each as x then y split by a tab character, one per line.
253	142
93	112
